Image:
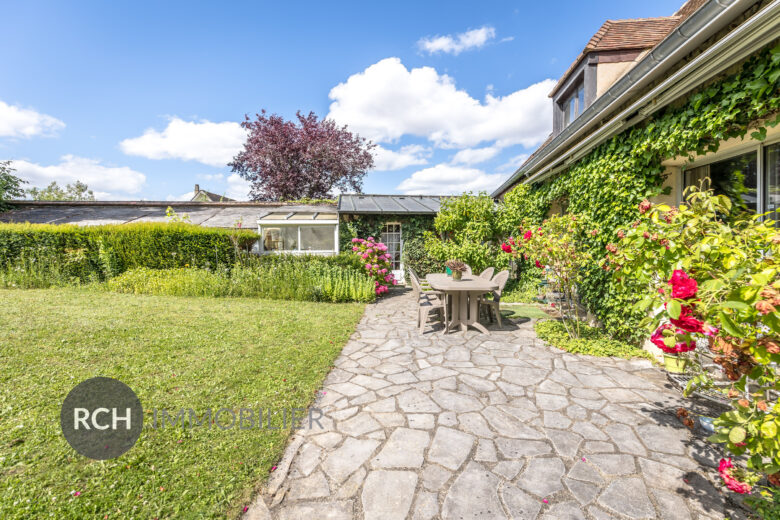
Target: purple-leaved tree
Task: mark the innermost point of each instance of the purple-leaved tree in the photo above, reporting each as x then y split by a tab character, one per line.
287	161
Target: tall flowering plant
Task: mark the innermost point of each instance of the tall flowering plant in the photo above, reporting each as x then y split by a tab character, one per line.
557	247
377	262
714	276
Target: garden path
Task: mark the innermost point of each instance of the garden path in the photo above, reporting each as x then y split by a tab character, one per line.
490	426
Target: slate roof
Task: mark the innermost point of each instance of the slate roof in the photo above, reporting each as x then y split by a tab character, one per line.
208	214
358	203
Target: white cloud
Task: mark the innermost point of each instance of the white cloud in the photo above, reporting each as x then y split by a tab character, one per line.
455	44
410	155
475	155
387	100
445	179
238	188
186	197
106	181
211	176
16	121
210	143
514	162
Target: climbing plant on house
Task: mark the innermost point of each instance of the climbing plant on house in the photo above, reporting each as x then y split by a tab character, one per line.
607	185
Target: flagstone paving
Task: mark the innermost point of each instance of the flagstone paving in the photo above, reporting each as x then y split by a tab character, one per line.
489	426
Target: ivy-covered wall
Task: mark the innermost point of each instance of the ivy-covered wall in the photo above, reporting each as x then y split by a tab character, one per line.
363	226
608	184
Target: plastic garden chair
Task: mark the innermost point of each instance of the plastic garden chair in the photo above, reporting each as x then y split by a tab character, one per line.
495	304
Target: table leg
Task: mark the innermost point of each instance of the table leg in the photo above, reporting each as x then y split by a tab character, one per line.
454	298
474	312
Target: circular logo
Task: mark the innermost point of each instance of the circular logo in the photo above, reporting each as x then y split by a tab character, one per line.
101	418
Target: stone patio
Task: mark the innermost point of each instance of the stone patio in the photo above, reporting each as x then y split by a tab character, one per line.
493	427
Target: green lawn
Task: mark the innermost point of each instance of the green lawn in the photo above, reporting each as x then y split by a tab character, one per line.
174	352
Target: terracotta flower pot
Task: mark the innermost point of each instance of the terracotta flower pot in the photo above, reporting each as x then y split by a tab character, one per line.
675	364
457	275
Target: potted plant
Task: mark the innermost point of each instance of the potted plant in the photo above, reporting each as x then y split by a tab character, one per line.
457	267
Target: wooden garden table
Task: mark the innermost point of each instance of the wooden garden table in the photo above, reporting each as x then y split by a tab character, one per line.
464	295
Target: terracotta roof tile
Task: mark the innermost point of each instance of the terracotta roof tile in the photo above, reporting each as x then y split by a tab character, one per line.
631	34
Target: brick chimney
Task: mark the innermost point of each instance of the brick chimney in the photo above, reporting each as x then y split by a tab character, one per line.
197	188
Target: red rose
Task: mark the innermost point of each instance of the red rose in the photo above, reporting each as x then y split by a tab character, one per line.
644	206
537	264
688	322
657	339
683	286
528	235
506	247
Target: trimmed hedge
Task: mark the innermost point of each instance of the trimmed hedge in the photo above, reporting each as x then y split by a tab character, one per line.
113	249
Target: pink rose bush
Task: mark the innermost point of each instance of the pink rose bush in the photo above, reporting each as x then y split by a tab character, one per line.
556	247
377	262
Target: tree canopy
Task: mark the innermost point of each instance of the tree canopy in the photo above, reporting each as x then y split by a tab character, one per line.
75	191
10	185
287	160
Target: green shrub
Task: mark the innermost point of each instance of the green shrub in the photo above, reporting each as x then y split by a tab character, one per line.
523	289
416	257
45	268
277	280
592	341
112	249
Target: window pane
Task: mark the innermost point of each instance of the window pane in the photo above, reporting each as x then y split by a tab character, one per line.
580	100
283	238
694	176
565	108
773	179
391	237
572	108
318	238
738	179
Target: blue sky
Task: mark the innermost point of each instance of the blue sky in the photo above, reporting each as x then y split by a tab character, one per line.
142	99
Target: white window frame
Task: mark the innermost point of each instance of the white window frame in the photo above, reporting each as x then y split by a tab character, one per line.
759	148
398	273
298	223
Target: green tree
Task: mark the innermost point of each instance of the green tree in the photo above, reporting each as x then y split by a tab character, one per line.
10	185
75	191
468	230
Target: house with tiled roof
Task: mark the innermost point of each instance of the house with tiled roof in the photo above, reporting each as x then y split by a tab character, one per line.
631	71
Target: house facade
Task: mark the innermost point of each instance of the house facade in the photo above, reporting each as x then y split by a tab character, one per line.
633	70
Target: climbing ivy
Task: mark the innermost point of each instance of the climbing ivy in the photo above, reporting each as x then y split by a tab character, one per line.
607	185
364	226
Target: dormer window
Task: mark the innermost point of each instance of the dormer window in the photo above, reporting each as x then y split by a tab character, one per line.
574	105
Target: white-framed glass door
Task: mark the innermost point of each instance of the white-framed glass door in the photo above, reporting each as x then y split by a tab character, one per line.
391	237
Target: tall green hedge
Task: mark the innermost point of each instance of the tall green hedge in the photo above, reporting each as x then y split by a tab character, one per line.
113	249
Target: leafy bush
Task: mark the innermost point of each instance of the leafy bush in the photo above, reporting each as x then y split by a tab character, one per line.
43	269
523	289
114	248
708	274
280	280
592	341
414	256
376	262
557	247
469	225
